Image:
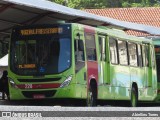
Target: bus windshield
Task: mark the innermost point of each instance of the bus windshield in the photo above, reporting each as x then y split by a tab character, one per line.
41	55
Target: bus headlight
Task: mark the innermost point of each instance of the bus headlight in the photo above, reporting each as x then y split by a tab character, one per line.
66	82
12	83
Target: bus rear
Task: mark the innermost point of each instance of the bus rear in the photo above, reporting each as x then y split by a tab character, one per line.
42	65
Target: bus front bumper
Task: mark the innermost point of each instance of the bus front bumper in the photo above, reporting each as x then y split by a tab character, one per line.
77	91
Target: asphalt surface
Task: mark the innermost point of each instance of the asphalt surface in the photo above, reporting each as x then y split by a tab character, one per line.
42	109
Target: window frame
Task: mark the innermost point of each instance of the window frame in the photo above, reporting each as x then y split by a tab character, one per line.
142	63
127	64
102	47
94	48
137	62
117	54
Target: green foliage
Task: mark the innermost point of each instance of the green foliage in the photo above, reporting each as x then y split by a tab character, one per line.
86	4
137	5
126	4
58	1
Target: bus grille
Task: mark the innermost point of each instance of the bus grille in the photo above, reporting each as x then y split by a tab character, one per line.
30	94
39	80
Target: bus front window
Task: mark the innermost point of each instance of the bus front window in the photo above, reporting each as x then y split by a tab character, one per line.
40	56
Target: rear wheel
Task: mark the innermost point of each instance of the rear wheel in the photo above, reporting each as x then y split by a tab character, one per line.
134	97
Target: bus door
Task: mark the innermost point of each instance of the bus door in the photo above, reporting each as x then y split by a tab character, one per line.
102	58
80	67
147	66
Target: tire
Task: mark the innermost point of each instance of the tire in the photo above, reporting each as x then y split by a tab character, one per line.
92	97
134	98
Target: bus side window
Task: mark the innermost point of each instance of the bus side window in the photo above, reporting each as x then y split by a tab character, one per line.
79	54
122	50
80	50
140	57
132	50
113	51
153	57
90	47
146	55
102	47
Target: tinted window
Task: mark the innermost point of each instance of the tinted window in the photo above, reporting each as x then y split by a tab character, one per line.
41	56
79	54
90	47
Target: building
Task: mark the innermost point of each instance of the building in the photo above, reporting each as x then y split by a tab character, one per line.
146	15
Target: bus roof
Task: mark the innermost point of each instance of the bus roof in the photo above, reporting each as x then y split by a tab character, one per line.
24	12
116	33
122	35
155	39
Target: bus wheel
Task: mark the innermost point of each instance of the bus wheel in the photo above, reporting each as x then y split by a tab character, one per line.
92	96
134	97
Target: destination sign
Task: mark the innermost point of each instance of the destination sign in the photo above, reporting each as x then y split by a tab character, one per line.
40	31
27	66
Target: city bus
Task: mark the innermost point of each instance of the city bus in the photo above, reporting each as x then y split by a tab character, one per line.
3	67
76	62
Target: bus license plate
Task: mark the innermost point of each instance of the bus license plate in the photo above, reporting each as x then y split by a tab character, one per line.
39	96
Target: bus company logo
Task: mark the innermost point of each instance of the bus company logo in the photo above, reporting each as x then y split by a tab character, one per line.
6	114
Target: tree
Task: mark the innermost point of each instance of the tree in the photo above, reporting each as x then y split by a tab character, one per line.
58	1
86	4
115	3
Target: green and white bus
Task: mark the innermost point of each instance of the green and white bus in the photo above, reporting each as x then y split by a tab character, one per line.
78	62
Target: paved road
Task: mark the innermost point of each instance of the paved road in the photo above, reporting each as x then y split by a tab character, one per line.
46	108
23	109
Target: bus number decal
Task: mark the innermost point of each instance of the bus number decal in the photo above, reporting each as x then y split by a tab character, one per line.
28	86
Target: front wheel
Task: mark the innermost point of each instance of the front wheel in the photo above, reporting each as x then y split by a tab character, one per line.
92	97
134	97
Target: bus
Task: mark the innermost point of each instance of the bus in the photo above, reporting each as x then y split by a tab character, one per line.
3	55
156	42
3	67
81	63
